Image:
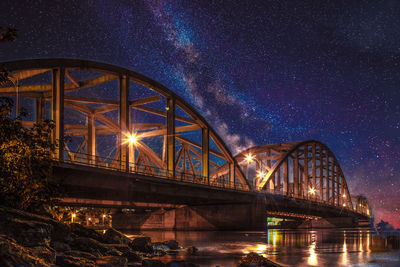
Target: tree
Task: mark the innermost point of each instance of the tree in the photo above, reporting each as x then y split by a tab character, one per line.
25	161
8	34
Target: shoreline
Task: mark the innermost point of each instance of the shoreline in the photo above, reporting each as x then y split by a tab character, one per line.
33	240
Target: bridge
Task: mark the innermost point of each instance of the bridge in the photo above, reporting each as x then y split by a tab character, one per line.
127	141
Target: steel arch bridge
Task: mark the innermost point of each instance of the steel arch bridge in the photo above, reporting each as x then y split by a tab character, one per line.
305	170
111	117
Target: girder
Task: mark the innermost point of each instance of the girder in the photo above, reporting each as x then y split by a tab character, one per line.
78	94
305	170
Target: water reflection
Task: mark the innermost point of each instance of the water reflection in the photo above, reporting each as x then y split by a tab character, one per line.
312	259
351	247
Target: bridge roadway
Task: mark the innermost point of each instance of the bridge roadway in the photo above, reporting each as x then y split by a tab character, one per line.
185	205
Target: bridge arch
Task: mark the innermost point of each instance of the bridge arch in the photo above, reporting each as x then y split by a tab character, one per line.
305	170
88	99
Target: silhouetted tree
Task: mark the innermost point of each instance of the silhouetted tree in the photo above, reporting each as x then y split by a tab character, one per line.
25	162
8	34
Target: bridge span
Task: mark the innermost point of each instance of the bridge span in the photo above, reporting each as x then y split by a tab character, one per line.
128	141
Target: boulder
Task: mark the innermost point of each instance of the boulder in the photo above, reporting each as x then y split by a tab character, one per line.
112	236
160	246
89	245
254	260
47	254
81	231
71	261
159	253
17	223
120	247
132	256
111	261
172	244
142	244
60	246
12	254
27	233
80	254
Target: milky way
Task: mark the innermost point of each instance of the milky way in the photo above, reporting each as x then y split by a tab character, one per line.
258	71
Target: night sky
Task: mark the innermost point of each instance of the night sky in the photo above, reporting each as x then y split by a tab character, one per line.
259	71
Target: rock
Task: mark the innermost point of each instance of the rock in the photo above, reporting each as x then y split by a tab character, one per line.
255	260
48	254
120	247
90	245
60	246
181	264
142	244
172	244
28	233
27	228
82	231
12	254
111	261
80	254
191	250
160	246
71	261
152	263
112	236
159	253
132	256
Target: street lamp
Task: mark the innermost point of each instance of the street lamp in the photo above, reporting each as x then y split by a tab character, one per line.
132	140
103	218
260	174
311	191
72	217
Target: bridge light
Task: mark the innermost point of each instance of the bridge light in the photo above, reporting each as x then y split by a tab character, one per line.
132	139
311	191
260	174
249	158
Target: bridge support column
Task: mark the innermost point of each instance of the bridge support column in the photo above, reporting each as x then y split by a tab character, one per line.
91	141
39	109
57	115
204	153
171	136
124	122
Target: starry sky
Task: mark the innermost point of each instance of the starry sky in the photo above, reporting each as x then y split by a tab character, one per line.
259	71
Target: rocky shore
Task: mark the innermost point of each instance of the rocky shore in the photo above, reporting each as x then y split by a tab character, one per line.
31	240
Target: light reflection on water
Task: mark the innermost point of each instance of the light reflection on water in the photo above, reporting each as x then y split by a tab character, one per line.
331	247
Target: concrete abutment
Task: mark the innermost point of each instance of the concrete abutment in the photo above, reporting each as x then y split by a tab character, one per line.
249	216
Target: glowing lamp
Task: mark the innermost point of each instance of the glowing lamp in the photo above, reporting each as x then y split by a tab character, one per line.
249	158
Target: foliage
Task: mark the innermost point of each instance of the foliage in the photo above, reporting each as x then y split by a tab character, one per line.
25	162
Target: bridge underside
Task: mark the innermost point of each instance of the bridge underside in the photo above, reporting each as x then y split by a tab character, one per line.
175	204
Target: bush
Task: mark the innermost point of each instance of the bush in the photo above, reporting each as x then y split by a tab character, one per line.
25	162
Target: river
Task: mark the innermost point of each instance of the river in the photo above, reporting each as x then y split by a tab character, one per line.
333	247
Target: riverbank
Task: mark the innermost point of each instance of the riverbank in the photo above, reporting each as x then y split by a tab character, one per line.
32	240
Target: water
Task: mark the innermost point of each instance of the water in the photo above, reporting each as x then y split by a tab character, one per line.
338	247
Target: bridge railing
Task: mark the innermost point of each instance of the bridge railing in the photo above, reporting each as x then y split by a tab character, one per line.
147	170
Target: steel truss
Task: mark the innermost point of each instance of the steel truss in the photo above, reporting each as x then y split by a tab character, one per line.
305	170
178	157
